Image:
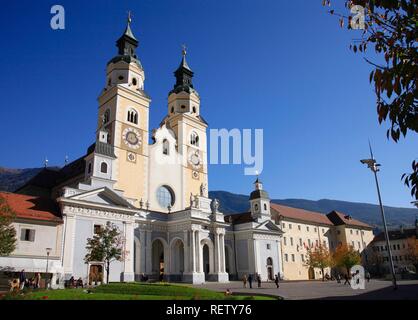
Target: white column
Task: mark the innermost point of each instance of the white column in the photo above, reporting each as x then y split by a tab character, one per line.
128	272
148	252
256	257
186	249
142	253
222	244
69	236
217	254
199	253
193	251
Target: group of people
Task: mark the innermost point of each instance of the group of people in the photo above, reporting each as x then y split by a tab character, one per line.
72	283
23	282
249	279
347	277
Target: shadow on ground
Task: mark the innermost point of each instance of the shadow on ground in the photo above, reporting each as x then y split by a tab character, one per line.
404	292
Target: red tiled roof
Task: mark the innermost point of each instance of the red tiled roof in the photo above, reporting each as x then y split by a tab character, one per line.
33	207
339	218
300	214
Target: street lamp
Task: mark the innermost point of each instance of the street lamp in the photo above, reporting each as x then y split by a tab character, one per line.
48	251
374	166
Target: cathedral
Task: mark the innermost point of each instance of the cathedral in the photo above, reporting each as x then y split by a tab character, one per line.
155	191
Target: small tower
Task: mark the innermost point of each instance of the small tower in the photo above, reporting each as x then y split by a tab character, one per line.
100	161
260	202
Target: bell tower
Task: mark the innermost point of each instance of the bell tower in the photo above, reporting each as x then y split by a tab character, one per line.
190	129
260	202
124	114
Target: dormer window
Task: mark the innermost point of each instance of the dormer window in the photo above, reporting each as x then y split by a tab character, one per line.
166	146
133	116
194	139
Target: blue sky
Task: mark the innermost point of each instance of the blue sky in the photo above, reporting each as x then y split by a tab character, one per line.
283	66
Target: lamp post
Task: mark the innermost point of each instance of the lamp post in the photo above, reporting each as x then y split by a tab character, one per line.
48	251
374	166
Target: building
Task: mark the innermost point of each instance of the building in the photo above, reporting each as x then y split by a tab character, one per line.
156	194
404	248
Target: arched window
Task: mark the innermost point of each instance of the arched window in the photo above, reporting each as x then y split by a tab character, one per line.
89	169
265	206
103	167
133	116
194	139
166	147
269	261
194	109
106	116
134	81
165	196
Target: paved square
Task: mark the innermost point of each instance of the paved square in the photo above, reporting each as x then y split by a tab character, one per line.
303	290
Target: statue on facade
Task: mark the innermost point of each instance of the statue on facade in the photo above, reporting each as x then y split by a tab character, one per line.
215	206
191	200
203	190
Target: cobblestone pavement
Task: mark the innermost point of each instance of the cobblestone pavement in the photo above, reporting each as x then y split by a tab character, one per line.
302	290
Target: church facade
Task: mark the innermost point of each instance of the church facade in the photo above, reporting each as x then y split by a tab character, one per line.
156	194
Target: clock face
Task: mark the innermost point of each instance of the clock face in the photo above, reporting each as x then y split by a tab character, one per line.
194	159
132	138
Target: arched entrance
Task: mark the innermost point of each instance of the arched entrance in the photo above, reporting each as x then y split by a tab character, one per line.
158	259
311	273
206	262
270	272
177	260
227	262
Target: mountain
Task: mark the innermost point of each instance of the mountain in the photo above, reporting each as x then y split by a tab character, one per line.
369	213
11	179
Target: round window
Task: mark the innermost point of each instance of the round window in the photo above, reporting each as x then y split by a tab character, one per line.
165	196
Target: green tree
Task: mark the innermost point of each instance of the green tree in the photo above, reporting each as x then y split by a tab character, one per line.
390	28
7	231
346	257
105	246
319	257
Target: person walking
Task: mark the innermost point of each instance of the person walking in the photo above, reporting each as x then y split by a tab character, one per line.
259	280
22	279
347	279
37	282
244	280
338	277
250	281
276	281
368	276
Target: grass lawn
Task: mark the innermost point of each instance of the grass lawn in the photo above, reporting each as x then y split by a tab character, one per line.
131	291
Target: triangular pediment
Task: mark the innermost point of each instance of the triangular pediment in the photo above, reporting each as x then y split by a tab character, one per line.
269	226
103	196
